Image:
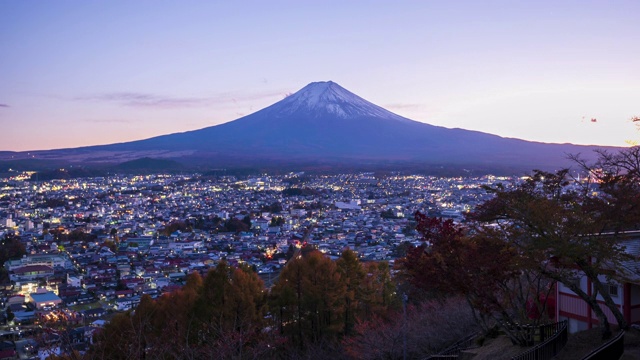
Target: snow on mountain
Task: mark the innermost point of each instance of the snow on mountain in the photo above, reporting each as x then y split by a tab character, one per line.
327	97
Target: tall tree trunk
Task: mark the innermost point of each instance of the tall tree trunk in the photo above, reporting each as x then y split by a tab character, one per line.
604	322
622	323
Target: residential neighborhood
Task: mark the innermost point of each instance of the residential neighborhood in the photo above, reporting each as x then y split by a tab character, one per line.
94	246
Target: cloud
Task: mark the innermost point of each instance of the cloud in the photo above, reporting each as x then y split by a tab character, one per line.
146	100
138	99
107	121
4	105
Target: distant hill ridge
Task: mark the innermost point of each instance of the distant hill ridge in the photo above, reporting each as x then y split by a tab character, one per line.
323	123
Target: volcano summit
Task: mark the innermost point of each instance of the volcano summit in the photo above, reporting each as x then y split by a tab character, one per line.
323	123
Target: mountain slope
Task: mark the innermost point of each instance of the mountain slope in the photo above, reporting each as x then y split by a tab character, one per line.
325	122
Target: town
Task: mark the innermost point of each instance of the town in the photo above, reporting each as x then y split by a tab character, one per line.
94	246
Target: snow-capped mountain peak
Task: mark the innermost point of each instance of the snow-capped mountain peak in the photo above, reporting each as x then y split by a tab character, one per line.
327	97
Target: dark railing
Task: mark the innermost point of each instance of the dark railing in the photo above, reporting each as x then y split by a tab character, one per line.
548	330
551	346
454	350
534	334
612	349
552	338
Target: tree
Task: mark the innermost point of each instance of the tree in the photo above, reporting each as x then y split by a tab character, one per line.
80	235
175	226
235	225
617	176
563	230
429	327
11	248
379	291
485	270
409	228
121	338
291	250
10	315
276	221
231	301
275	207
111	245
388	214
352	275
369	290
218	317
401	250
307	299
174	330
247	221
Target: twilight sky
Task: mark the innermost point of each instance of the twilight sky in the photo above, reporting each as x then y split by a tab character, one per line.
75	73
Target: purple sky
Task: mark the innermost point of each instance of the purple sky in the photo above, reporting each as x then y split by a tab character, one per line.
76	73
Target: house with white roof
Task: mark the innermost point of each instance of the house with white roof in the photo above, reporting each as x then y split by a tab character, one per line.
43	300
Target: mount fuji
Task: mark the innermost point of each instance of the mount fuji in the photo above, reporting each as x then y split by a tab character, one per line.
323	123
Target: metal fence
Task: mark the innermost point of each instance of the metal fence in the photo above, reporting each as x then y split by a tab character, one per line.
611	350
553	337
548	330
551	346
454	350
